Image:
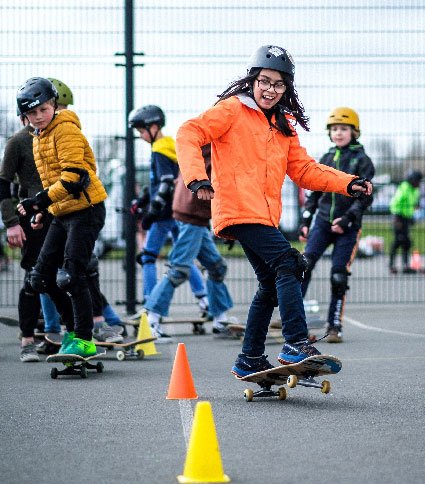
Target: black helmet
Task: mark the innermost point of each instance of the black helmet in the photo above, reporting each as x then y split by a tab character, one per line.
414	177
146	116
33	92
272	57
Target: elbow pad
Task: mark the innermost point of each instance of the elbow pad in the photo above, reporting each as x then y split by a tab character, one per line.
165	191
75	188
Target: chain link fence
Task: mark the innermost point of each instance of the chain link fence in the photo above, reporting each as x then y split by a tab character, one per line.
368	55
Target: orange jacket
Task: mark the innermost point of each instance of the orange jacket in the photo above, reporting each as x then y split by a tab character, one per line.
249	162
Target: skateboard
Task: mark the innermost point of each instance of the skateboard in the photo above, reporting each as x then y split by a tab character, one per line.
127	349
302	373
197	323
9	321
75	364
236	330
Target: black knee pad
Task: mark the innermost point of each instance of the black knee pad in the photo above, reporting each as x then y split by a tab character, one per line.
218	271
339	282
28	289
70	282
178	275
147	257
310	261
298	267
39	281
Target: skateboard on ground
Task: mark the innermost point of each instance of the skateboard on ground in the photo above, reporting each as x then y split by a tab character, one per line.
237	330
126	349
302	373
9	321
75	364
197	323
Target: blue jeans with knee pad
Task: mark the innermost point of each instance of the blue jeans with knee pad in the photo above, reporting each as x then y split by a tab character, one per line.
155	240
265	247
194	242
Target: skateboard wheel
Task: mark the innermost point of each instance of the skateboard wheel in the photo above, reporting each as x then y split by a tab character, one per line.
326	386
140	354
99	367
282	393
292	381
120	355
54	373
83	372
248	394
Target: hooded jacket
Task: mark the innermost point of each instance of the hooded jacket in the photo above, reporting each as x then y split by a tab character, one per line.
250	159
59	147
350	159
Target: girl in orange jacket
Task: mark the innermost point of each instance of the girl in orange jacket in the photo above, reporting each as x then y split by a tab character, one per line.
254	146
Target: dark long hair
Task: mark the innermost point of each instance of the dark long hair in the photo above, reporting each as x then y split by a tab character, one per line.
288	103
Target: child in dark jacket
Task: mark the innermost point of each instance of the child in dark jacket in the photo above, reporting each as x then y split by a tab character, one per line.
338	218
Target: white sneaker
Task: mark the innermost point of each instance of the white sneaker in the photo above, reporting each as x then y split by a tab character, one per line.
29	353
160	336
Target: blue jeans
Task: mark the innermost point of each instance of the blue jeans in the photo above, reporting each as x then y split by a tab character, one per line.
267	251
155	240
193	242
51	316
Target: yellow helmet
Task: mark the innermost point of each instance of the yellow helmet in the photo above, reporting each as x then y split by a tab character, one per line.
344	116
65	94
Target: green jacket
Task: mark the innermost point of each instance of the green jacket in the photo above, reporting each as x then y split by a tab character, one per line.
405	200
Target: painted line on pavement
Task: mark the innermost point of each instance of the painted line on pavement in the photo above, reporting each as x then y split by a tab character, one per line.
186	416
381	330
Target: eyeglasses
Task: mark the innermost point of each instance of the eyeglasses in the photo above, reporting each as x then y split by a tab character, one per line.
264	84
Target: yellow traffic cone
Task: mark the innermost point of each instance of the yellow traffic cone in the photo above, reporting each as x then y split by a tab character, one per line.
203	460
144	332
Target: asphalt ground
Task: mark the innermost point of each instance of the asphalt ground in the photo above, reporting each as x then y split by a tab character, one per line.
118	426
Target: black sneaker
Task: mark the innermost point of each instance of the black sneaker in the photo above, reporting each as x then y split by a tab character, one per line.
294	353
246	365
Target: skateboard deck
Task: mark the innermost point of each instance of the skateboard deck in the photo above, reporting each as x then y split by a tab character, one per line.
302	374
197	323
126	349
75	364
9	321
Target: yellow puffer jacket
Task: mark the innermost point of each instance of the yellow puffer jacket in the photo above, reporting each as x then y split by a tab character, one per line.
60	146
249	162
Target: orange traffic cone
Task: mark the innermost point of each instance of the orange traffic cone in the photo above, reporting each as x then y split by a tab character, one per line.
416	261
203	459
181	385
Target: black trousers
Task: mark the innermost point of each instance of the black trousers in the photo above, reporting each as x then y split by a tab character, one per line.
69	244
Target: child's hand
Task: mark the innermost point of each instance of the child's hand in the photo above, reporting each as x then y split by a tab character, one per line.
336	228
360	186
15	236
303	233
205	194
37	221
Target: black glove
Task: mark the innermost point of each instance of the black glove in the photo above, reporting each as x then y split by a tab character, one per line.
42	219
152	215
41	200
138	205
345	222
139	258
357	181
196	185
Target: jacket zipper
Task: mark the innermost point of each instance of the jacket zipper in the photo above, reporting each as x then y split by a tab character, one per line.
333	195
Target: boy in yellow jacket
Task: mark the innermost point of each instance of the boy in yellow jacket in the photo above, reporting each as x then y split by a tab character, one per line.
254	146
75	196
